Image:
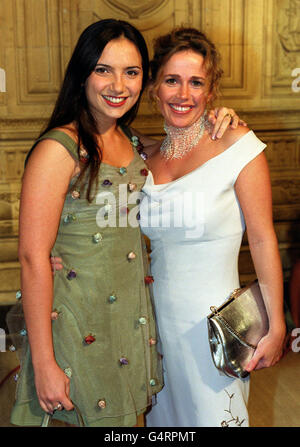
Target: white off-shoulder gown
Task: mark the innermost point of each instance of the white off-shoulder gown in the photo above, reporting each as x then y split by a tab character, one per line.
195	225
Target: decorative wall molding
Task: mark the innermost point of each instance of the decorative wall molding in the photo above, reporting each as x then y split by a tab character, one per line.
282	53
136	8
37	51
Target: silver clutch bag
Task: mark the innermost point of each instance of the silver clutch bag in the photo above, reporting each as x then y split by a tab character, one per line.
235	328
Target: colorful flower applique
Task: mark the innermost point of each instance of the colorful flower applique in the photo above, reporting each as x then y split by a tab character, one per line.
139	147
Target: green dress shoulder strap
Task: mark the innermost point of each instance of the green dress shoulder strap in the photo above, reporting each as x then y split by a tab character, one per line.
60	136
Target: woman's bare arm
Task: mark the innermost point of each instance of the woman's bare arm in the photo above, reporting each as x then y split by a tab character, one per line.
45	184
253	189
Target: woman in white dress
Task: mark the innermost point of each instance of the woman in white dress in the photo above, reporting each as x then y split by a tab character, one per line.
199	196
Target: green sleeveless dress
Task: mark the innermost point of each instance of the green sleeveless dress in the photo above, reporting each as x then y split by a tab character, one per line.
104	331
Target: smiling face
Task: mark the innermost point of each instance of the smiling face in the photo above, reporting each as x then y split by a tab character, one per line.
183	89
114	86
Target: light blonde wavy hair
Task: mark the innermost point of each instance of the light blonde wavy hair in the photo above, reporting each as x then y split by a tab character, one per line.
182	39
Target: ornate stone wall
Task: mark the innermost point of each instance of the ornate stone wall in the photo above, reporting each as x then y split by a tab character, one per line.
260	46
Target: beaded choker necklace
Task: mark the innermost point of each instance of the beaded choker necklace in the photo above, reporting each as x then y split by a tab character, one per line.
181	140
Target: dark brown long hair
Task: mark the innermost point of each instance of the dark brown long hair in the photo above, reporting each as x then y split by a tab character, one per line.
72	105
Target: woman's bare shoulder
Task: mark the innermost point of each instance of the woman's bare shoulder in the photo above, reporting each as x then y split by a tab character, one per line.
231	136
54	152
